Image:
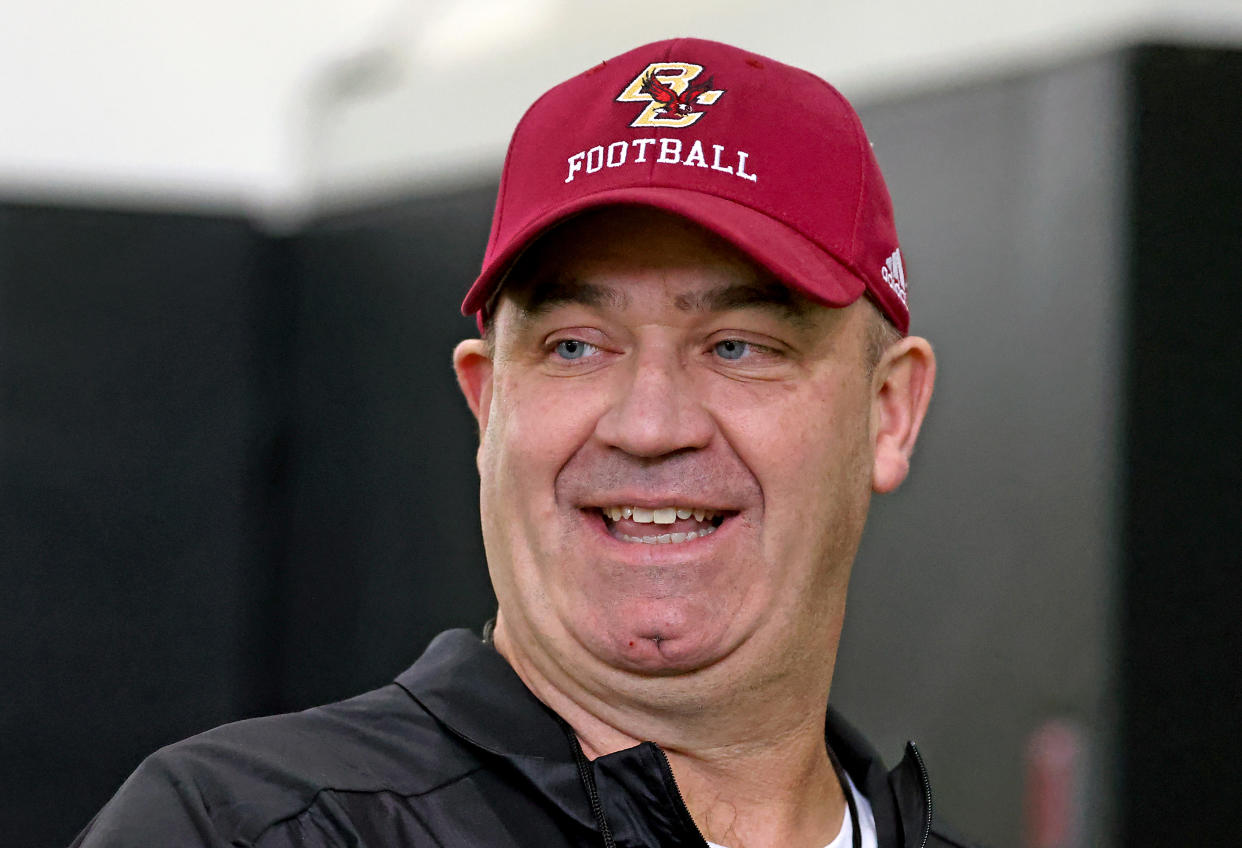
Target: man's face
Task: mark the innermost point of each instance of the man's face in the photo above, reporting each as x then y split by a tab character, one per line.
676	454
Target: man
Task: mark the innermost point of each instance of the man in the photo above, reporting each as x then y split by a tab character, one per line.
693	372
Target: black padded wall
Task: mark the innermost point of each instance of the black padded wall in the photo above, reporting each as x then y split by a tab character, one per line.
236	477
384	548
138	360
1181	764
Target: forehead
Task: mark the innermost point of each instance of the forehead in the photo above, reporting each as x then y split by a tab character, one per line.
594	260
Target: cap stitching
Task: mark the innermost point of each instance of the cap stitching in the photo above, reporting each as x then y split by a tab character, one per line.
517	130
861	138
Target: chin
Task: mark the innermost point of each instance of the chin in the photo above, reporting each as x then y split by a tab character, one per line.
674	638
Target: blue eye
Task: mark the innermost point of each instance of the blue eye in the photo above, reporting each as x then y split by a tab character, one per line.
573	348
731	349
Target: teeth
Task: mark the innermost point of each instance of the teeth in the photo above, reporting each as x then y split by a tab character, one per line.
668	538
659	515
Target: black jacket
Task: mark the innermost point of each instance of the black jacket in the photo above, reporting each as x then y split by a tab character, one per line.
456	753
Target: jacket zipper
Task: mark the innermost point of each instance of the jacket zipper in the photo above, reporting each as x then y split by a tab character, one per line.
927	796
672	781
587	777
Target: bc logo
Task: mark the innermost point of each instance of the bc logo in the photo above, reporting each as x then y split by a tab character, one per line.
671	99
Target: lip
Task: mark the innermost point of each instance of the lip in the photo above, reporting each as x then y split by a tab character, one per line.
646	554
649	501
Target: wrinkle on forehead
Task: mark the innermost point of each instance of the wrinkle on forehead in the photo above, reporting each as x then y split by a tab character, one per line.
767	295
552	291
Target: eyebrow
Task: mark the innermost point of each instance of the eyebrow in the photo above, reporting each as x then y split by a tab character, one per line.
550	292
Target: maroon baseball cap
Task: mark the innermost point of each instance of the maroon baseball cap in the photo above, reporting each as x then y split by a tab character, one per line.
767	156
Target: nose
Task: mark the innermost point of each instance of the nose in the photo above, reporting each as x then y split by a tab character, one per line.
657	408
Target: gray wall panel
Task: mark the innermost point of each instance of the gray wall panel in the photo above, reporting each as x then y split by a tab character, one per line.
982	601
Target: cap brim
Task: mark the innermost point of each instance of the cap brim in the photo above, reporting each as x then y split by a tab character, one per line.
792	258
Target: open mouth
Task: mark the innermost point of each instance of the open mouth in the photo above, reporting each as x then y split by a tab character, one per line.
665	525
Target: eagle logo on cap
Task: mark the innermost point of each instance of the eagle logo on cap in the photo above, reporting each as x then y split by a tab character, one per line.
675	105
671	95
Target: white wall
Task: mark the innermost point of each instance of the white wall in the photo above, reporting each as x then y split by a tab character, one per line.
267	105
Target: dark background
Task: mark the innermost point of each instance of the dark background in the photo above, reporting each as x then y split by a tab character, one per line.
236	476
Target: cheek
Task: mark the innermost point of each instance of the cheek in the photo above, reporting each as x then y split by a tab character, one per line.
795	433
808	448
534	428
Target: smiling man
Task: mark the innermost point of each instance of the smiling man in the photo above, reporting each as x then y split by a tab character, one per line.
693	373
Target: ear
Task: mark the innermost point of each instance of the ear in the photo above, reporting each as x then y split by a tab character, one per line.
901	390
473	363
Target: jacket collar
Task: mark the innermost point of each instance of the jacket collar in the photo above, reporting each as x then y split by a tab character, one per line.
900	799
471	689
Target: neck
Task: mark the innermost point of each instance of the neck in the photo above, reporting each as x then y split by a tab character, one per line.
753	768
785	793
